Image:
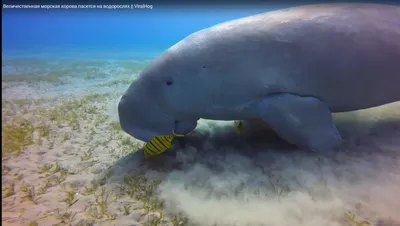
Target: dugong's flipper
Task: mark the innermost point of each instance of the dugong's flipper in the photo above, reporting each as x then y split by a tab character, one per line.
303	121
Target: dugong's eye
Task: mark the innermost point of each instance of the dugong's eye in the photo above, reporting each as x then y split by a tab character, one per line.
168	82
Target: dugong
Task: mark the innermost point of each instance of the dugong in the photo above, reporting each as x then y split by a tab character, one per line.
292	68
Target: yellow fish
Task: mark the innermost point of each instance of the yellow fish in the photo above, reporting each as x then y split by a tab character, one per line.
159	144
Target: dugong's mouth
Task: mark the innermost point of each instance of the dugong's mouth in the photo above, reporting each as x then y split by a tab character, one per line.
138	134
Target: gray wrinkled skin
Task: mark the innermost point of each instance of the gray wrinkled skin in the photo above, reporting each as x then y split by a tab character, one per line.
344	56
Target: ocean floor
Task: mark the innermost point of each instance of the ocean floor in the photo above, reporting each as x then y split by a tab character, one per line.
66	161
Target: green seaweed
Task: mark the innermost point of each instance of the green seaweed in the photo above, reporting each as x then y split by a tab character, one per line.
16	135
29	193
66	217
123	81
33	78
70	198
33	223
9	191
87	154
125	210
179	220
141	188
115	126
98	209
352	219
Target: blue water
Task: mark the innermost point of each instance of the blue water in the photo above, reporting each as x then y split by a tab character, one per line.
115	33
144	31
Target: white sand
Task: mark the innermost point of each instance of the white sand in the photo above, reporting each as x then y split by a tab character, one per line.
218	179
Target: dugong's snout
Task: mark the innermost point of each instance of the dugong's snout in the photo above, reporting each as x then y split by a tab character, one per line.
125	112
141	120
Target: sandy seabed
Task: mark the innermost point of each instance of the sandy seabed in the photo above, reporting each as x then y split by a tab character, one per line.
66	161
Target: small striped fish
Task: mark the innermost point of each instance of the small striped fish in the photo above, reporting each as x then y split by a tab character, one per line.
159	144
